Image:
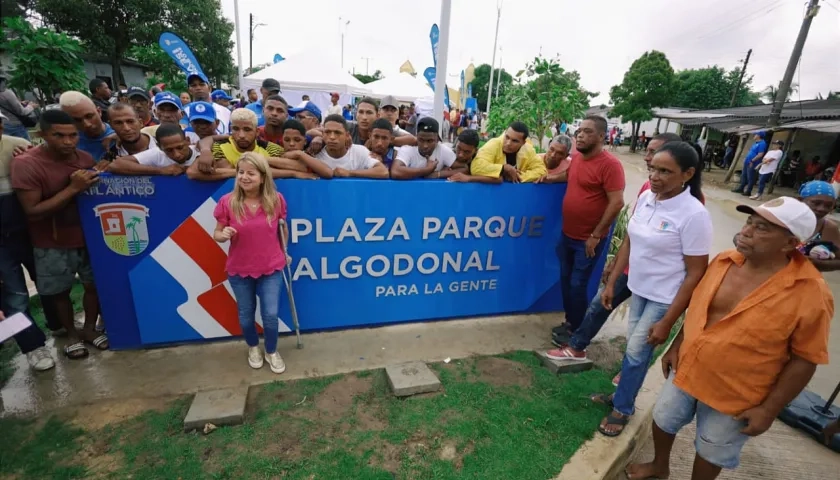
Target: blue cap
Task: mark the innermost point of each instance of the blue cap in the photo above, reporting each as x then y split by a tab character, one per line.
201	111
220	95
168	97
202	76
761	133
307	107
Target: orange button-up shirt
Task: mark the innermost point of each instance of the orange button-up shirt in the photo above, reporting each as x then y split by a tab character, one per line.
733	365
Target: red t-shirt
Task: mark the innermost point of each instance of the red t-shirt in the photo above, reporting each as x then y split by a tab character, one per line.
39	170
586	193
261	135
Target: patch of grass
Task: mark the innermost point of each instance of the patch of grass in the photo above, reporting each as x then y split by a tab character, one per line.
9	349
345	426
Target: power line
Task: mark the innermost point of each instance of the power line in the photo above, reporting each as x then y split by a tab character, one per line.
746	19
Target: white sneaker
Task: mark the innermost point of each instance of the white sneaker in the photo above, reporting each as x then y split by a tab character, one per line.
255	359
40	359
755	197
275	362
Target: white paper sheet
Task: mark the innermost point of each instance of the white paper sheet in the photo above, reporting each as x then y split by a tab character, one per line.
13	325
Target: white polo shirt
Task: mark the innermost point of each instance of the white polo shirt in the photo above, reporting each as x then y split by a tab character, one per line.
411	157
357	158
770	167
661	233
156	158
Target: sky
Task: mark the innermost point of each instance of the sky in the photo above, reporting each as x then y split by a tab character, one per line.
598	38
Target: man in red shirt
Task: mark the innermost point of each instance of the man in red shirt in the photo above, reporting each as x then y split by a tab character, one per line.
46	180
594	197
275	113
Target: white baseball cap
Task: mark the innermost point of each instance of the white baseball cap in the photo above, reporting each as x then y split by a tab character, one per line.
788	213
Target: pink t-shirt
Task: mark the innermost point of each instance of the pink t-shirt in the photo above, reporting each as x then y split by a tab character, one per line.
562	167
255	250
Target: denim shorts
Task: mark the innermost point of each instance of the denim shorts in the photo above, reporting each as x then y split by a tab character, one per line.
57	268
719	439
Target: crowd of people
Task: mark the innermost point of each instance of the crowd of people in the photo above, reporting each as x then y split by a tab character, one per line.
663	266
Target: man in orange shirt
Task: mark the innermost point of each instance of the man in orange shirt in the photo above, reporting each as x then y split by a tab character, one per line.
755	330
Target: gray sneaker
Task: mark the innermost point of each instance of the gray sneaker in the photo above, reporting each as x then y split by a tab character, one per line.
255	359
40	359
275	362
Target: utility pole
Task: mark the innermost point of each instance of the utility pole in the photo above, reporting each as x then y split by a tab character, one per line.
252	29
238	46
367	65
342	28
493	63
740	79
784	86
499	76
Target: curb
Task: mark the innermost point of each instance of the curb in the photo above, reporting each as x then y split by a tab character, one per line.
604	458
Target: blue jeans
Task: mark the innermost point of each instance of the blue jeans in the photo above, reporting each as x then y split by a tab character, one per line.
718	440
16	131
14	294
747	180
268	289
763	179
752	178
597	315
575	271
644	314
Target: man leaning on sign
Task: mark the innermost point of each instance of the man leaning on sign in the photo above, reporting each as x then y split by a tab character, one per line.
510	157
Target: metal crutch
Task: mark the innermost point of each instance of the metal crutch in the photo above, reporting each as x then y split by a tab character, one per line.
287	279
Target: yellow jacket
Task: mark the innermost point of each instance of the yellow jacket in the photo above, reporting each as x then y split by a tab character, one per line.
490	160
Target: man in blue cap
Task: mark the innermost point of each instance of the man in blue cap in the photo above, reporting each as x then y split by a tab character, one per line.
167	109
308	114
751	161
199	88
203	122
220	97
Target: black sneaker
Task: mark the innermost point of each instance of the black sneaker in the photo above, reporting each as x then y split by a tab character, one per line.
559	342
560	330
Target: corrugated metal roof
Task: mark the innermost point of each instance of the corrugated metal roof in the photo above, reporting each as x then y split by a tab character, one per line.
792	110
827	126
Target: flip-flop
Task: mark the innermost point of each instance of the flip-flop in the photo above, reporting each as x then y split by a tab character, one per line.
602	399
76	351
100	342
612	420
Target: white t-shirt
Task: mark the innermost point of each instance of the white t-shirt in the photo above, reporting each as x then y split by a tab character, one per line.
122	152
334	110
661	233
357	158
156	158
774	156
192	137
411	157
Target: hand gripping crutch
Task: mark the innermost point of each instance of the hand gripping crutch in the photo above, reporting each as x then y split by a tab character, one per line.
287	279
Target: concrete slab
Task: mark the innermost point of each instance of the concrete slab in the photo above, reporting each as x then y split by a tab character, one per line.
219	407
411	378
559	367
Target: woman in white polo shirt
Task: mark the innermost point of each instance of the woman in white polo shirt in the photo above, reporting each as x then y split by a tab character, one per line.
667	249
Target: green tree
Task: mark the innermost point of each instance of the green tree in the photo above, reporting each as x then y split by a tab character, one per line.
112	28
711	87
377	75
549	95
46	62
481	82
14	8
647	84
770	92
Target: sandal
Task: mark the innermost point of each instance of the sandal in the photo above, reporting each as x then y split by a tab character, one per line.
76	351
100	342
602	399
620	421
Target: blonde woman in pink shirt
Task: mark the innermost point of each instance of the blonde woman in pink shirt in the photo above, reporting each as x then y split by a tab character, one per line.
248	218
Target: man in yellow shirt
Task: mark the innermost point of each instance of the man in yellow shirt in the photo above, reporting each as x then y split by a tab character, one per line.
225	152
510	157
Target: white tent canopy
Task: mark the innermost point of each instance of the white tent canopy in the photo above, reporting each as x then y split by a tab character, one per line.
402	86
308	73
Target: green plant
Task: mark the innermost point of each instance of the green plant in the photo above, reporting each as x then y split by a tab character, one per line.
46	62
619	232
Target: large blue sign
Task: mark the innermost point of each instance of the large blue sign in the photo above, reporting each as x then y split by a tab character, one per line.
180	52
365	252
